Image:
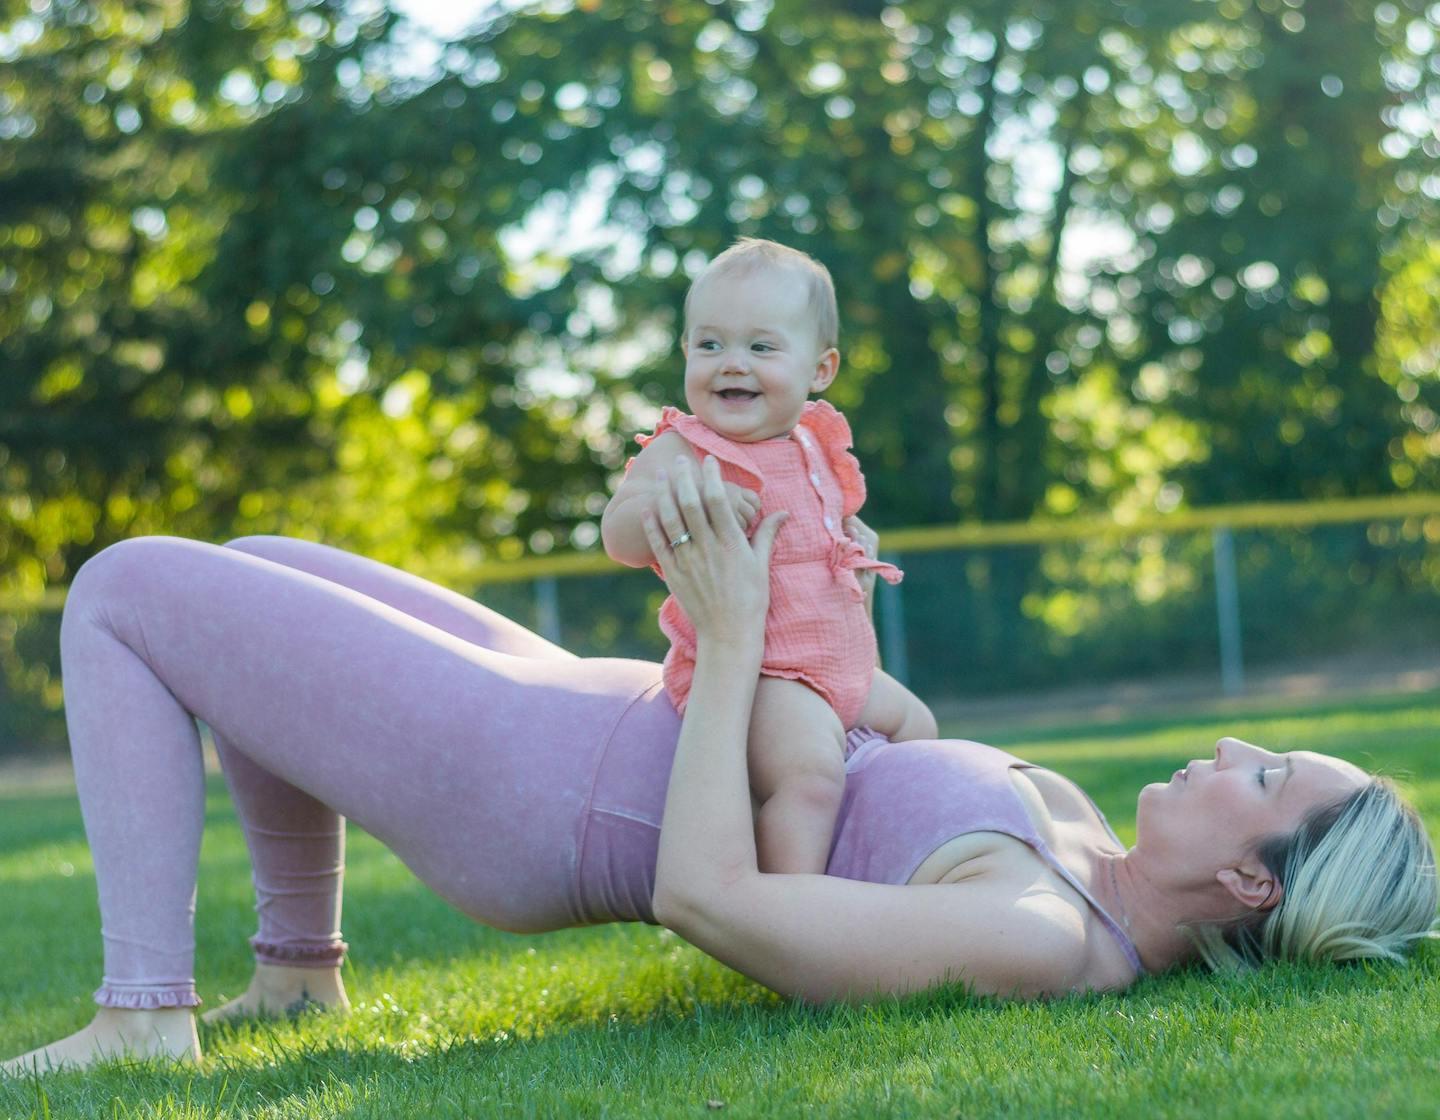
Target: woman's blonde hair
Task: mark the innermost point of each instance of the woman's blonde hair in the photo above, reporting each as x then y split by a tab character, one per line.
1357	880
750	253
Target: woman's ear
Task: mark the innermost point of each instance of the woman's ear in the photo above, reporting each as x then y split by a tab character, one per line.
1252	884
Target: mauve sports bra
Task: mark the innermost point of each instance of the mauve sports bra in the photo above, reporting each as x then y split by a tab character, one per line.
940	789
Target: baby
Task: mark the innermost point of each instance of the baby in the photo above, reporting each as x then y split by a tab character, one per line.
760	332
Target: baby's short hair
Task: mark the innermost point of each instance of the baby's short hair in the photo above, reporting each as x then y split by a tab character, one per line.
752	253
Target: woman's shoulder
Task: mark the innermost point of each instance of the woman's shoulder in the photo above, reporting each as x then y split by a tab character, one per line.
1030	936
1059	944
1062	802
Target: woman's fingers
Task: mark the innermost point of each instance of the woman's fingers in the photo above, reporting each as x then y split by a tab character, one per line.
667	510
717	505
692	511
719	578
682	514
687	497
764	536
659	542
862	535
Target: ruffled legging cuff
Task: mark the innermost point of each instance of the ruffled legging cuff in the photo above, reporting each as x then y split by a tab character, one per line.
300	954
146	997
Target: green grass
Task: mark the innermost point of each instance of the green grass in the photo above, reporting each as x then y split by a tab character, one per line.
454	1020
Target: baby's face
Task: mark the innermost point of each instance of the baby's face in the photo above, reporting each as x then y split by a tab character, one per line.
752	357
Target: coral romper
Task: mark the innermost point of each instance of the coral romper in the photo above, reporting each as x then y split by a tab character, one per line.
817	630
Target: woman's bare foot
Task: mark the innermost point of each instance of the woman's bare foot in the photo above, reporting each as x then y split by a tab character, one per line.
167	1032
278	990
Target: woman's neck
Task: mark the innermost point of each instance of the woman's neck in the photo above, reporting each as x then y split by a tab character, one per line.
1150	914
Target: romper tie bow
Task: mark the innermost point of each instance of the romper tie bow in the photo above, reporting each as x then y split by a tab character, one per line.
848	557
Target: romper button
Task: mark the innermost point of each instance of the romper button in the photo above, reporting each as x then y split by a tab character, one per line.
804	439
829	522
815	478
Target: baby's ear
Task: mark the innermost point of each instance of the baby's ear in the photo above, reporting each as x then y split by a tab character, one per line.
827	365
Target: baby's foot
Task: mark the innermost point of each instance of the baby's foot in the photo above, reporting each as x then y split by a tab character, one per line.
167	1032
282	991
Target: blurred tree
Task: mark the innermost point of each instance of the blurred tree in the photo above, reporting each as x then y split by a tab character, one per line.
1264	198
258	278
128	404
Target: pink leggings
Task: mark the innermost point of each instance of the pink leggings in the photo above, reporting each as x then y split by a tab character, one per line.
522	784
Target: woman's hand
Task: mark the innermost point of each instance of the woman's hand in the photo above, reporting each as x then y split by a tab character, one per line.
868	539
720	579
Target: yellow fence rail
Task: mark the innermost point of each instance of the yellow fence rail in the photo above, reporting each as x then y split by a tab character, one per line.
932	538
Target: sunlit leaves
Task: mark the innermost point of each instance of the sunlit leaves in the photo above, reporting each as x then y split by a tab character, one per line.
1119	257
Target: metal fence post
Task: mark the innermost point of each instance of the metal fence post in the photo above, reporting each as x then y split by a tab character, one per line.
547	609
892	625
1227	606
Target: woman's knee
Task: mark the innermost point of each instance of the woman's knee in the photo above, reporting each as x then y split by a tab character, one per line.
117	577
259	544
119	570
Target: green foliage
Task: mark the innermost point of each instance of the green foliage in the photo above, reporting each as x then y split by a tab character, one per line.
256	278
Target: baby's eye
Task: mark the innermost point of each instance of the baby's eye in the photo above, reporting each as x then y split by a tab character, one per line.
762	347
707	344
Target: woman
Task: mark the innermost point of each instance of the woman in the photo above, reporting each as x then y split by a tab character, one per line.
526	787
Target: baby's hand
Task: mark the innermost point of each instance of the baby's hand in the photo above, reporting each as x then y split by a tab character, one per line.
744	503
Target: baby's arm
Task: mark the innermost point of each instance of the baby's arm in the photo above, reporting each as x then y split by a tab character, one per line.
896	712
622	527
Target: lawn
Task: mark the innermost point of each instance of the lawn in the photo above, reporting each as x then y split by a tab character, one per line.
454	1020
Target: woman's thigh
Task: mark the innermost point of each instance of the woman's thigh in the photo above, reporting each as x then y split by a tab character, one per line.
419	598
474	766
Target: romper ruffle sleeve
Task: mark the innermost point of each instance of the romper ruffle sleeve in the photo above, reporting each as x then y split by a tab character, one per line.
832	433
707	442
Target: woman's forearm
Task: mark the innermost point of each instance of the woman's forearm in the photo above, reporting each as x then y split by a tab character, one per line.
707	838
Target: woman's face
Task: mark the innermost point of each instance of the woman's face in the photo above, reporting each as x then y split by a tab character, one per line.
1212	813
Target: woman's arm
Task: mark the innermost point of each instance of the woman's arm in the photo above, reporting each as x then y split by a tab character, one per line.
810	936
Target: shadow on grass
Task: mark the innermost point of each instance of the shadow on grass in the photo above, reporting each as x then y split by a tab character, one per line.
678	1053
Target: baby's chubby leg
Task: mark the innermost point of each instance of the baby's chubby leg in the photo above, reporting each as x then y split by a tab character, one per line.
797	773
896	712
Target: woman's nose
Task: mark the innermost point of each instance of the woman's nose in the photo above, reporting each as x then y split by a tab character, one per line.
1228	749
